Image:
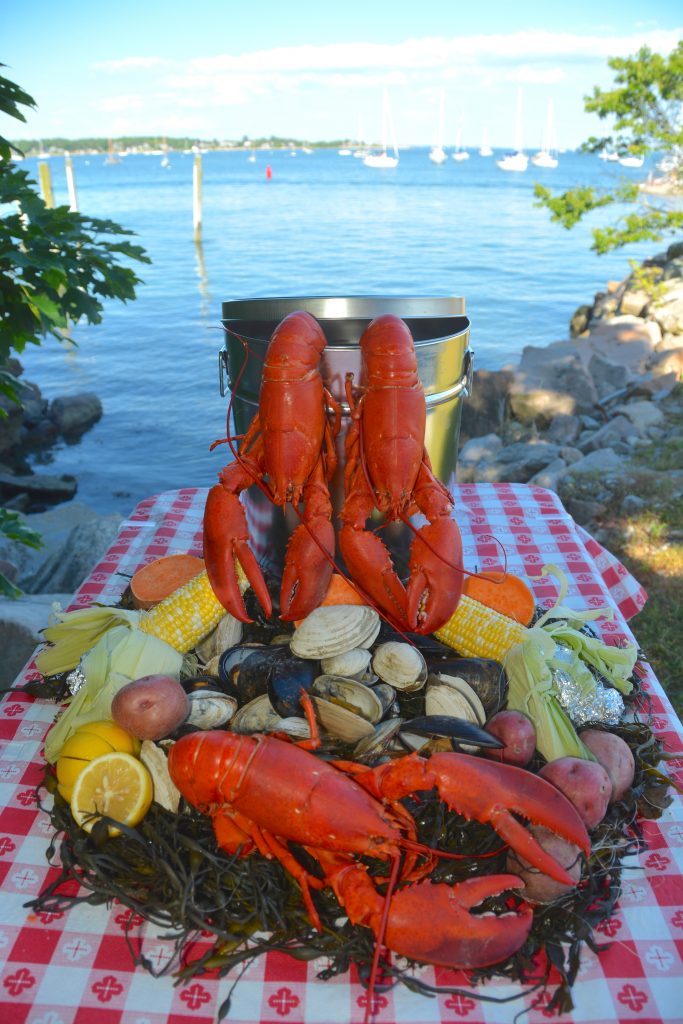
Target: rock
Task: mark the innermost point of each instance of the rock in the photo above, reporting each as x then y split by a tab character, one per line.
669	316
563	429
10	425
475	451
668	362
633	303
675	251
617	429
483	411
583	510
550	475
54	527
631	504
600	461
42	489
605	305
642	414
608	377
517	462
589	422
71	564
558	368
538	405
74	414
579	322
570	454
20	622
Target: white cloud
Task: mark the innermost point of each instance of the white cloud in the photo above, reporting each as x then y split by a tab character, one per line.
114	104
528	75
127	64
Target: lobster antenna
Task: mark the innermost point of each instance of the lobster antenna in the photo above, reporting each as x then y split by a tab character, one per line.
466	572
381	932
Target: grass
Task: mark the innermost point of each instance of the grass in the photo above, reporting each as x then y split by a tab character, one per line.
650	545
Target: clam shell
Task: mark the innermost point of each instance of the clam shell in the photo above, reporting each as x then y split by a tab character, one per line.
387	696
297	728
155	761
351	664
228	633
442	698
467	691
210	709
486	677
256	716
350	694
401	665
335	629
379	741
341	723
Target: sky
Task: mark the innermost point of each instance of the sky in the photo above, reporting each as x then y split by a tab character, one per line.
224	70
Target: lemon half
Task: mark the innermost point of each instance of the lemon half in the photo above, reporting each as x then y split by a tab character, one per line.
116	785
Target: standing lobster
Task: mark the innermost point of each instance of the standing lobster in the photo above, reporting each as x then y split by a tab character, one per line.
264	793
288	451
388	467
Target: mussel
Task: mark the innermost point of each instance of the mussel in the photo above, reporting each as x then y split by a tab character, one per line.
486	677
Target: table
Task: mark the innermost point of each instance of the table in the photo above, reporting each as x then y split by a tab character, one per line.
75	967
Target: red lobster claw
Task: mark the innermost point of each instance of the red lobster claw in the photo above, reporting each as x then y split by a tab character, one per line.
225	537
436	576
459	940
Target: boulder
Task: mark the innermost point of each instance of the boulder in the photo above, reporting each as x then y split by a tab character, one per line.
518	462
483	411
634	303
608	377
625	340
42	489
579	322
69	566
600	461
563	429
20	623
550	475
619	428
642	415
74	414
668	362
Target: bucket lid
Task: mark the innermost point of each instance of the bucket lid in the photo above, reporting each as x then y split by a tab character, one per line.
330	307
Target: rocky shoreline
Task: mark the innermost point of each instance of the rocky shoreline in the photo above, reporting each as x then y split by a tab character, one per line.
578	416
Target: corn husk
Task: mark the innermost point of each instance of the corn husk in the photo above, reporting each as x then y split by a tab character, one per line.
119	656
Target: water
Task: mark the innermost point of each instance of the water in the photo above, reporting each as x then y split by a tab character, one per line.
324	224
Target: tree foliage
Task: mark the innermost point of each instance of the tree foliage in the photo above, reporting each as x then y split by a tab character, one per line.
56	268
645	106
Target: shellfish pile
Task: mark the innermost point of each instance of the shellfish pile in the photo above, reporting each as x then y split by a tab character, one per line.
374	693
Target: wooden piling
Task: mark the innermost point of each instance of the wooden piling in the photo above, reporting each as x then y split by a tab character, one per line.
197	196
71	183
45	178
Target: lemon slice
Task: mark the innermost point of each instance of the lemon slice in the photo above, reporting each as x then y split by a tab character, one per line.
114	735
115	784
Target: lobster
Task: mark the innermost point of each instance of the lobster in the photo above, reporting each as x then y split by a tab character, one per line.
290	441
388	468
264	793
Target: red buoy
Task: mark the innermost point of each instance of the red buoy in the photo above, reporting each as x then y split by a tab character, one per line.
269	172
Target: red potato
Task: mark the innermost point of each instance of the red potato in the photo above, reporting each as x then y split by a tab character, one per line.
151	707
615	755
517	732
539	888
585	783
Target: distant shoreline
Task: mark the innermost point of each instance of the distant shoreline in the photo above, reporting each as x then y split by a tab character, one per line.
155	146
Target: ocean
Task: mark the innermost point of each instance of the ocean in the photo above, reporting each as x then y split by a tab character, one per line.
322	225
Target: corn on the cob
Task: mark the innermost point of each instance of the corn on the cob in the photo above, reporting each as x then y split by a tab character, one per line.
476	631
186	616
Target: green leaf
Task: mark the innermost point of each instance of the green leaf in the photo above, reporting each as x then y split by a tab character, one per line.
13	527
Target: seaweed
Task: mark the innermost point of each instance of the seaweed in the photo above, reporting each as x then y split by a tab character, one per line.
171	873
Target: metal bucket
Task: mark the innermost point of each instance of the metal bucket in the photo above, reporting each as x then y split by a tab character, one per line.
441	332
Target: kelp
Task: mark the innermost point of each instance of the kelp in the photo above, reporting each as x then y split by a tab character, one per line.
170	872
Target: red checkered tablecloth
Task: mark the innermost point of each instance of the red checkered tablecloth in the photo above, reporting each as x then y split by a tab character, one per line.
76	968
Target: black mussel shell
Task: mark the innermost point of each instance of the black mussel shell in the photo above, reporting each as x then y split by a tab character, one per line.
204	681
231	660
487	678
458	730
288	677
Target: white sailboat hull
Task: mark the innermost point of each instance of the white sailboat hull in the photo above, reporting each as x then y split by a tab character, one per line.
438	155
460	155
514	162
544	159
380	160
631	161
383	160
485	151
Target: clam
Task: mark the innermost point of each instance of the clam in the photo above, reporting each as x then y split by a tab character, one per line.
467	691
486	677
379	741
340	722
210	709
401	665
351	664
258	715
227	633
442	698
350	694
297	728
335	629
387	696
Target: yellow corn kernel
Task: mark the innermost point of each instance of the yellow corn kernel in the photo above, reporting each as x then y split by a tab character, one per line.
476	631
185	617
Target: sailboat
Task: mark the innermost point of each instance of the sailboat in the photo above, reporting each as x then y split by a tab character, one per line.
517	160
631	161
383	159
545	157
112	155
485	149
459	153
438	154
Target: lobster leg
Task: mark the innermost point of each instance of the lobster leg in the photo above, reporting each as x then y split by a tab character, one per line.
491	793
